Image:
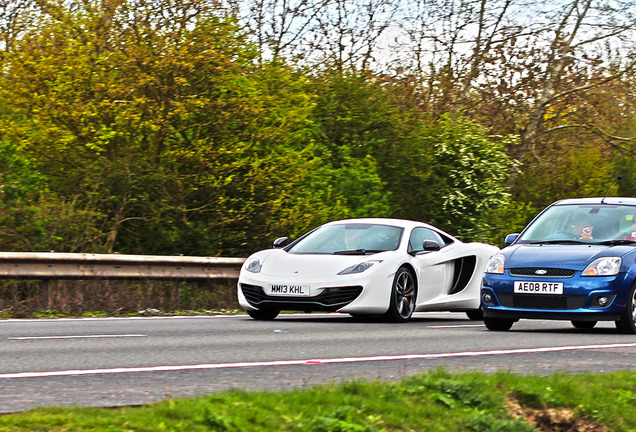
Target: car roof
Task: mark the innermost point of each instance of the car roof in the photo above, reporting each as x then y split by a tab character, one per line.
598	200
382	221
404	223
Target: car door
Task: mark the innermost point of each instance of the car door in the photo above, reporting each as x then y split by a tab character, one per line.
434	268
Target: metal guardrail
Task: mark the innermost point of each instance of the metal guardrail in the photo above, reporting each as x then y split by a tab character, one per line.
47	266
53	265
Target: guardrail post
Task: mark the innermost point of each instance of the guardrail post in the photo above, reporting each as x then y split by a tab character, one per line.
45	294
175	295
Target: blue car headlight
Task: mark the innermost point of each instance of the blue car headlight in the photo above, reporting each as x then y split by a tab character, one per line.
253	266
606	266
359	268
496	264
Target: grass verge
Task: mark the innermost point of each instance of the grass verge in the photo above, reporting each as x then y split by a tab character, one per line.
433	401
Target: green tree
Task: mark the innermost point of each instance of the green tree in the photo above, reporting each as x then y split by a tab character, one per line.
356	120
448	171
20	186
165	132
469	169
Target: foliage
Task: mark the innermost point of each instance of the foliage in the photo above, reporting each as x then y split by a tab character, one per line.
469	172
34	218
450	162
168	128
171	134
20	185
570	172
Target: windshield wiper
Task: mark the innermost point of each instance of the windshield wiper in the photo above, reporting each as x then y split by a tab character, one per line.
616	242
563	241
357	252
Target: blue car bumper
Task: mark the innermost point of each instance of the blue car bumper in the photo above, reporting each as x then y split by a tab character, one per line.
583	298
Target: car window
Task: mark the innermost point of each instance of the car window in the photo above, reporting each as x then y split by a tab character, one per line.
587	223
418	235
350	237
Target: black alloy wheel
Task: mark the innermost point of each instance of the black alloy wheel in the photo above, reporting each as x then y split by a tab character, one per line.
403	296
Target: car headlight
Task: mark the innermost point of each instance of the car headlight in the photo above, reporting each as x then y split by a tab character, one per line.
253	266
606	266
496	264
359	268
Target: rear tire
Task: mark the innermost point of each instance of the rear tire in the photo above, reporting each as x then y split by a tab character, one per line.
263	314
498	324
627	323
403	295
584	324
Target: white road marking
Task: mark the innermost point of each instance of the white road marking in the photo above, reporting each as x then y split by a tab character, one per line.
191	317
311	361
127	318
456	326
76	337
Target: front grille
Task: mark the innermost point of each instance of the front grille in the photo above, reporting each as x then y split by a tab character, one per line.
550	272
329	300
539	301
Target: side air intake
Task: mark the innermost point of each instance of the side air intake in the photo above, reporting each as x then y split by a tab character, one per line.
464	269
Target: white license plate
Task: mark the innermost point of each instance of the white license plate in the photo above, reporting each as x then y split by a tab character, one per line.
524	287
287	290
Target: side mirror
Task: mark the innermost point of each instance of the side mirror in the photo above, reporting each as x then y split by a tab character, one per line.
280	242
510	238
430	246
427	246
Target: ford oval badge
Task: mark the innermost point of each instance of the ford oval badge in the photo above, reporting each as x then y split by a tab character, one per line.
541	271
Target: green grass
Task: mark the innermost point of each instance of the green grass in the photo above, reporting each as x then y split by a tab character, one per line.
434	401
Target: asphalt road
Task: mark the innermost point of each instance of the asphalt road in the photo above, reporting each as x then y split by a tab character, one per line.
130	361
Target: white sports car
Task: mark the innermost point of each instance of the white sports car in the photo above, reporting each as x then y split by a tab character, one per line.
366	267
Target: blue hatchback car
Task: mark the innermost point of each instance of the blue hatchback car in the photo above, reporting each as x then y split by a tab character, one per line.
575	261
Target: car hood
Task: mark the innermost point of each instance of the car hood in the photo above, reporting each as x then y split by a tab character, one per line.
574	257
280	263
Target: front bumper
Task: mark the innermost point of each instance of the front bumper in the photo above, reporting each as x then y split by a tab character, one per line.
330	300
360	293
579	301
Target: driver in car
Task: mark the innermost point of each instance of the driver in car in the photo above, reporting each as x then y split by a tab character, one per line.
631	234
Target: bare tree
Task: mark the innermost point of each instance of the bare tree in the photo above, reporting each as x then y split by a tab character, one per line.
353	33
451	44
280	28
337	33
583	31
492	57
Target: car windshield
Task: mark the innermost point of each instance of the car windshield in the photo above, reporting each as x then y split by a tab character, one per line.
583	223
349	239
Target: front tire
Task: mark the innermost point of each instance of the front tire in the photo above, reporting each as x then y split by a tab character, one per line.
263	314
498	324
475	315
584	324
403	295
627	323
